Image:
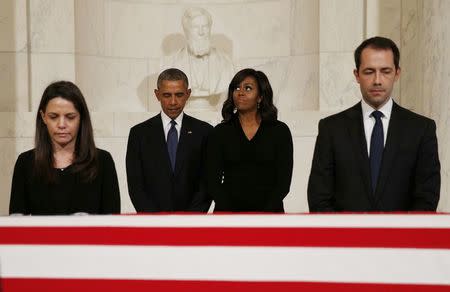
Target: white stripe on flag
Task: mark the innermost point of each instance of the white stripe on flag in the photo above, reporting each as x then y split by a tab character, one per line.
298	220
363	265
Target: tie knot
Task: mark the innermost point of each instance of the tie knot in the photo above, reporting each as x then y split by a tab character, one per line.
377	115
173	123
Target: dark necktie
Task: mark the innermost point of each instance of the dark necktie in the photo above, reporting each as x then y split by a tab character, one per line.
172	143
376	148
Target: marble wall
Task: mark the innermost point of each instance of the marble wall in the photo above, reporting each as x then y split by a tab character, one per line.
113	49
435	97
121	45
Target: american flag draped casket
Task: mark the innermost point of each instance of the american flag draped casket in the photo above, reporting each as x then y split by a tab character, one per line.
248	252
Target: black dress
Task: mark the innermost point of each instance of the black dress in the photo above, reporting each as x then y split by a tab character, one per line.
68	194
249	175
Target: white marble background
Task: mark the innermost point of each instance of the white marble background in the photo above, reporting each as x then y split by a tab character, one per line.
112	50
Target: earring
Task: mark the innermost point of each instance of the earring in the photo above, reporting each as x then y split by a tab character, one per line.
234	110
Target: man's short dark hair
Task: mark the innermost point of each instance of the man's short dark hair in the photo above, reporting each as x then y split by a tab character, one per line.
172	74
380	43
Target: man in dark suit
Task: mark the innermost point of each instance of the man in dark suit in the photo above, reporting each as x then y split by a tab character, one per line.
376	155
165	154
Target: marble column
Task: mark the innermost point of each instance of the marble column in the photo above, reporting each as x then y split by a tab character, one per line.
339	36
425	86
13	56
52	44
436	86
14	93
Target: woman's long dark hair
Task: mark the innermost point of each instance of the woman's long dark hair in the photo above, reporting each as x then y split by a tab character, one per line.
85	156
266	110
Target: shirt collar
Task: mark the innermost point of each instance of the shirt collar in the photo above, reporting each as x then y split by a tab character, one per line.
386	109
166	120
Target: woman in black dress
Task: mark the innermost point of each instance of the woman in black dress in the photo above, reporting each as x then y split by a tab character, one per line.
65	173
249	154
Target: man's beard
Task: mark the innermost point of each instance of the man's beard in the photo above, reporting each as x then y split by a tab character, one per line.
199	47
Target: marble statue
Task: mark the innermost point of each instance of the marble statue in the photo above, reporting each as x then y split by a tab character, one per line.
209	69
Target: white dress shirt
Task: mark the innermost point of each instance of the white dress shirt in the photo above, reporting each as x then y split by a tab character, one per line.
166	124
369	121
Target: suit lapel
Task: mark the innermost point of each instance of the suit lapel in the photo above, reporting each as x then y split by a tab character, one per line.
161	139
390	149
184	143
359	144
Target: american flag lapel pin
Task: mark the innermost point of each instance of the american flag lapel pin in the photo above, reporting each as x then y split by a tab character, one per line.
189	132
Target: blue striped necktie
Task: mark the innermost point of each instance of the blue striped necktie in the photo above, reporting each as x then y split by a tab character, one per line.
376	148
172	143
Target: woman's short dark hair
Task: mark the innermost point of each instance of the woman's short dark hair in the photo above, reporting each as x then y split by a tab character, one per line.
85	156
266	109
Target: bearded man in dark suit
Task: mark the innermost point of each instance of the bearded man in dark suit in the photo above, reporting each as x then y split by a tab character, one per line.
376	155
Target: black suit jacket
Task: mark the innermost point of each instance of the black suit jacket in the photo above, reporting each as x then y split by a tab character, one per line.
409	177
152	185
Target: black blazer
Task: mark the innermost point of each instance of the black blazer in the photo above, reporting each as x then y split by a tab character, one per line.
152	185
69	193
409	177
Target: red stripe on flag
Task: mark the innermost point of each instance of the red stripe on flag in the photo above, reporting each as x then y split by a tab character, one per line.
69	285
438	238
